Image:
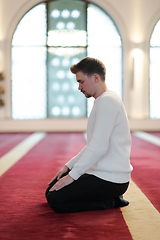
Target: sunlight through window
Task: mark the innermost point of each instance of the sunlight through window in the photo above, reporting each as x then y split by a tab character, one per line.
29	66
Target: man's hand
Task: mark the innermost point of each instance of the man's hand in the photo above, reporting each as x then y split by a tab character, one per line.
62	183
59	174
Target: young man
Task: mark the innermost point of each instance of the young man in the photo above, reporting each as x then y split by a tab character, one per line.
99	175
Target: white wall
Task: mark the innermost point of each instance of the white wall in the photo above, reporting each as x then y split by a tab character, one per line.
135	20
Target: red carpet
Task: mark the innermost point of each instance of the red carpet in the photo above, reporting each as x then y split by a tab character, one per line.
24	211
145	158
10	140
156	134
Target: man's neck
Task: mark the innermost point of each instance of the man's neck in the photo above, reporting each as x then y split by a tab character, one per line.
100	92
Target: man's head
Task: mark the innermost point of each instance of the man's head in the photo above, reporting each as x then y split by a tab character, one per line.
90	74
89	66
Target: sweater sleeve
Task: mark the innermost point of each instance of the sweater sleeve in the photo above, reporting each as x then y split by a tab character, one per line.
74	160
106	113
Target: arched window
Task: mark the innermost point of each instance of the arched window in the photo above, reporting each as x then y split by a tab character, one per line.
155	72
47	41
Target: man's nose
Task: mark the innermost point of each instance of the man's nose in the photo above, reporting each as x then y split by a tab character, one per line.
79	87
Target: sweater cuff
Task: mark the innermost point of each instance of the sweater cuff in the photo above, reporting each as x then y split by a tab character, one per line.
68	165
74	174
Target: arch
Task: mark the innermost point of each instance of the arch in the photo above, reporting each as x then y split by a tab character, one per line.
151	24
155	72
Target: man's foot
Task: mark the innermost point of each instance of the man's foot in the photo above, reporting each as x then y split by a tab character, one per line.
120	202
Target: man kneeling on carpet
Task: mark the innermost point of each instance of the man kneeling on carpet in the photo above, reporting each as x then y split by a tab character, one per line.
98	176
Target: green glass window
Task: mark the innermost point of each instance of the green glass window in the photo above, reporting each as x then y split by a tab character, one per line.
67	44
50	38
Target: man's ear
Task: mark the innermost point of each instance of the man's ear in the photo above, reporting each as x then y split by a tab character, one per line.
96	77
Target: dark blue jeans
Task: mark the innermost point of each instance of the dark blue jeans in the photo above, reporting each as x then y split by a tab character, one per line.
85	194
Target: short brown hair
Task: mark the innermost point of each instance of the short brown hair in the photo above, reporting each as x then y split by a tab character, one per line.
89	66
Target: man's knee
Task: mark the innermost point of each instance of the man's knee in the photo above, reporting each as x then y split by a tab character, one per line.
54	201
47	191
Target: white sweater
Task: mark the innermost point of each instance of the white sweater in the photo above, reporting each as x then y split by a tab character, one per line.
107	153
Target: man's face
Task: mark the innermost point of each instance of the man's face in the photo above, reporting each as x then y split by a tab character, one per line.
86	84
